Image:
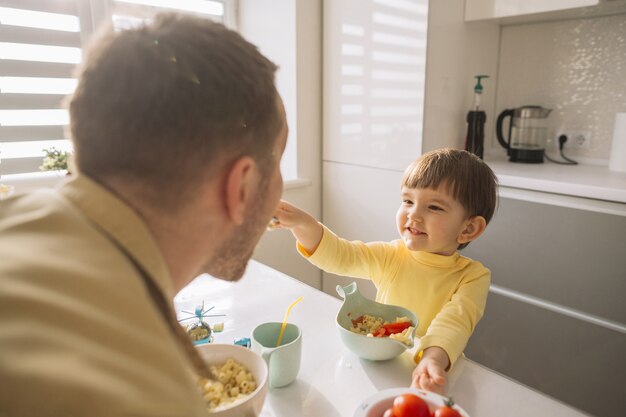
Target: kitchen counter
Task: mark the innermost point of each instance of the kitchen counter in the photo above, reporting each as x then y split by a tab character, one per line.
587	181
332	381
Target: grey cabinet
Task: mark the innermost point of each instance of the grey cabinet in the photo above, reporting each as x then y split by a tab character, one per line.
556	316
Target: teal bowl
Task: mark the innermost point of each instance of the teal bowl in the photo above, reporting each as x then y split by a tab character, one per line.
371	348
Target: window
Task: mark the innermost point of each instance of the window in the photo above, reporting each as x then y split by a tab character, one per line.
128	13
40	44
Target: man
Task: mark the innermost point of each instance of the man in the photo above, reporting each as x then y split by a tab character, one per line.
178	132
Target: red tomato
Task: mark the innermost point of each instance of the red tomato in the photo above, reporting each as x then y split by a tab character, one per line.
447	410
410	405
398	327
389	413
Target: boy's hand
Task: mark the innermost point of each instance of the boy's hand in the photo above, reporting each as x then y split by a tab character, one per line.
303	226
288	216
430	373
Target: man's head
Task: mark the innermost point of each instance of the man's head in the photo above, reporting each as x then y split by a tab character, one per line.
168	104
231	256
182	119
461	175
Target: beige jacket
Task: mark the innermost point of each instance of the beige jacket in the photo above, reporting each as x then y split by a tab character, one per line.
80	334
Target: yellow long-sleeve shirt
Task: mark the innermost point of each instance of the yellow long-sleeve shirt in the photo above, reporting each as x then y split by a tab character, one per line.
446	293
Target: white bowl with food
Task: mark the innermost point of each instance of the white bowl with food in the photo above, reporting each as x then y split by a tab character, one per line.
377	404
240	383
369	344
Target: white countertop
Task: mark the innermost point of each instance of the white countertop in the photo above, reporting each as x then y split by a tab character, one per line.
332	381
588	181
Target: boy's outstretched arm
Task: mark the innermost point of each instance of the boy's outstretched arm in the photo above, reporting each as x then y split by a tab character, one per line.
303	226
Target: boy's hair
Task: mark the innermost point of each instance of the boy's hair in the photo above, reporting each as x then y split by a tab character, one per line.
468	179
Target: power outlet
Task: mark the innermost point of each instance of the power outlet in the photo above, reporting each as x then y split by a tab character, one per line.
576	139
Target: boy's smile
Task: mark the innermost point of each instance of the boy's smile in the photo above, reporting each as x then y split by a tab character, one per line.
431	220
413	230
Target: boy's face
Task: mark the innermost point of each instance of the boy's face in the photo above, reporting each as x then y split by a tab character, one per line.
431	220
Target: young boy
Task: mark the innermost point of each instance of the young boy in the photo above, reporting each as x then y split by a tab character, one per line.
448	197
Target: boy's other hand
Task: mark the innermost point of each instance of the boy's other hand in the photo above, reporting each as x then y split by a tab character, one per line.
430	373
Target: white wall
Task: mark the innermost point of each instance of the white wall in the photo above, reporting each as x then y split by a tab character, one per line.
271	26
290	32
359	203
457	51
575	67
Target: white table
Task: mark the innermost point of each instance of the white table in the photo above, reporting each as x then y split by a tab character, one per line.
332	381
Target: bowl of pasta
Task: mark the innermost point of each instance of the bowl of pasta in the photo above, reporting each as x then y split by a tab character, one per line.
239	385
373	330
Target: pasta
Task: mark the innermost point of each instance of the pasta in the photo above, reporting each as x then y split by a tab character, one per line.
232	382
372	326
367	325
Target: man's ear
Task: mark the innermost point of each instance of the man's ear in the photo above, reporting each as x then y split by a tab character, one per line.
474	227
240	183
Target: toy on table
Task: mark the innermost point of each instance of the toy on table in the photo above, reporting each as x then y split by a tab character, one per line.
200	332
243	341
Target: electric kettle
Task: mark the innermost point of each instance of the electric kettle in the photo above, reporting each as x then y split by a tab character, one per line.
528	132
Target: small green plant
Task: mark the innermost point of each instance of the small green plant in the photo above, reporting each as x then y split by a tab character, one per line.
56	160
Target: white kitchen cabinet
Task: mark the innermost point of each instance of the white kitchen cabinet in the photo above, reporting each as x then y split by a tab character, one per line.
359	203
374	71
493	9
555	317
521	11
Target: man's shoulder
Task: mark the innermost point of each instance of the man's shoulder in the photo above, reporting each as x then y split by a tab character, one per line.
77	307
39	207
42	232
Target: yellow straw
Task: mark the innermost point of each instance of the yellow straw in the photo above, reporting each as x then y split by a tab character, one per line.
282	328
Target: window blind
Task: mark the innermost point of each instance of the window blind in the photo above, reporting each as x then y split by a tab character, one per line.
128	13
40	44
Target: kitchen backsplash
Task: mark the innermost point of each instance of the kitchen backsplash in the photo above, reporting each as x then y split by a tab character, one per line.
576	67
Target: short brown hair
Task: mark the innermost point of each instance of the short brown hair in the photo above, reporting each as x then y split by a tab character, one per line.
468	178
160	103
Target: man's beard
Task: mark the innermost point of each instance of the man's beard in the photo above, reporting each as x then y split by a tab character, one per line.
231	258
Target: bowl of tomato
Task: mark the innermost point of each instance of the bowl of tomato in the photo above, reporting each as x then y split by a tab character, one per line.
373	330
408	402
